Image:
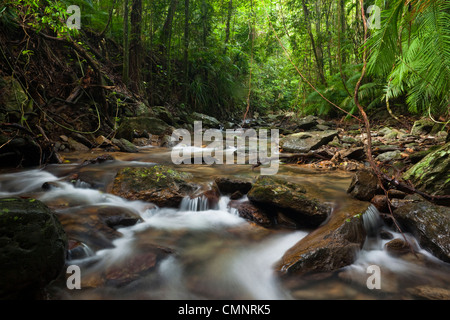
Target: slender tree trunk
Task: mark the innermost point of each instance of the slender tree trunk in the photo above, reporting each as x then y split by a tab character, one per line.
186	49
205	23
227	30
341	31
317	50
342	26
167	28
125	71
136	46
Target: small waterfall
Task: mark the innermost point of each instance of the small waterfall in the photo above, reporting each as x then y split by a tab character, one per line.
372	220
195	204
253	270
82	184
81	251
12	184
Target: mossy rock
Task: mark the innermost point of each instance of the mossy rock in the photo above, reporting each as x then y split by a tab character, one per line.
432	173
13	98
292	198
158	184
33	248
131	127
429	223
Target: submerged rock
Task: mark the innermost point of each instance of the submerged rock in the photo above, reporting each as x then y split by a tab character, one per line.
96	226
33	248
292	198
158	184
129	269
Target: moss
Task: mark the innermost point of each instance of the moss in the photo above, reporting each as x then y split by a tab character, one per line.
157	176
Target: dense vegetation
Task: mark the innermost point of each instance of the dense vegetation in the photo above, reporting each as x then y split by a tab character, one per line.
232	57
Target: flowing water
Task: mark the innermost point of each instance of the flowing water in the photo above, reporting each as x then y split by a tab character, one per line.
198	252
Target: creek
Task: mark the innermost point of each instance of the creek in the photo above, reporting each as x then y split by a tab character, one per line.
208	253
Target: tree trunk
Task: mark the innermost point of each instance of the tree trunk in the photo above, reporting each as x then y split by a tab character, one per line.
186	49
317	48
167	28
125	72
136	46
227	30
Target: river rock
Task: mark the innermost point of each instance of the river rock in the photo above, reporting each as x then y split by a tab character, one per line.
303	142
307	122
430	292
429	223
158	184
124	145
397	247
77	146
364	185
207	121
432	173
130	127
422	126
131	268
96	225
291	198
389	156
332	246
19	151
228	185
250	211
33	248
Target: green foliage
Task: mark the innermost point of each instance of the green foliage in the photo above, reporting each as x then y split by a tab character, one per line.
412	52
41	15
408	57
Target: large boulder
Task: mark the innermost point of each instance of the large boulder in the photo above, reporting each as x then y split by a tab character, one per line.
303	142
432	173
291	198
131	128
33	248
429	223
158	184
330	247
